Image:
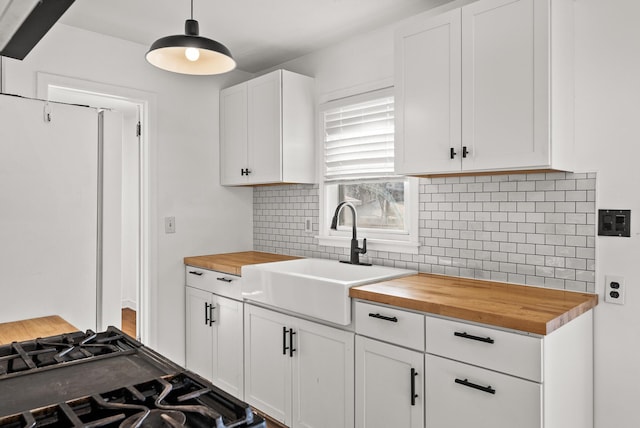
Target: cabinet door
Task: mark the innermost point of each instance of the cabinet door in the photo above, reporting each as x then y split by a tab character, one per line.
199	333
267	366
428	104
233	134
505	84
265	128
323	376
461	395
384	378
227	365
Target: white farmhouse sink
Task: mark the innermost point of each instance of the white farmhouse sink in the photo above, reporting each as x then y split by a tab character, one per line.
318	288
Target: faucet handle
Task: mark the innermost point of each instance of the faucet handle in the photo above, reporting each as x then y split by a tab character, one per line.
363	250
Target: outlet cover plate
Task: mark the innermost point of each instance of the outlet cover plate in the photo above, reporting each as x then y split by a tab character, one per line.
614	223
614	284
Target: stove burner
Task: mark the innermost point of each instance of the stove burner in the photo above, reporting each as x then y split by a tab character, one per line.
156	418
108	380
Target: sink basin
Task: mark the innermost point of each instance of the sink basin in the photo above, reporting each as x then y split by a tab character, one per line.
318	288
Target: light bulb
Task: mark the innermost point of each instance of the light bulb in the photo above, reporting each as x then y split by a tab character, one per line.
192	54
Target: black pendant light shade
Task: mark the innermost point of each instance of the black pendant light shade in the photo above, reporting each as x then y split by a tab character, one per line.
190	53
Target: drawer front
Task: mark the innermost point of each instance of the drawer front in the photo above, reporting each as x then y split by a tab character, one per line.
212	281
390	325
506	352
460	395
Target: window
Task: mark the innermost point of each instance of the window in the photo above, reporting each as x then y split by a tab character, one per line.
358	166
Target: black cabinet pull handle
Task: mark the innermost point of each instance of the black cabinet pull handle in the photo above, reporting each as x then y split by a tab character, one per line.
207	314
245	171
452	152
211	320
284	341
223	279
382	317
486	389
291	348
414	373
465	152
465	335
193	272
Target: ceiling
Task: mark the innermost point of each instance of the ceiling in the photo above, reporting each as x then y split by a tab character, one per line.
260	33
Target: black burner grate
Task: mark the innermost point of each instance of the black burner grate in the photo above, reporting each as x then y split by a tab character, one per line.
172	401
19	357
108	380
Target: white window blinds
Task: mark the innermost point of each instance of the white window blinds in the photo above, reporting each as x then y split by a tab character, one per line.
358	140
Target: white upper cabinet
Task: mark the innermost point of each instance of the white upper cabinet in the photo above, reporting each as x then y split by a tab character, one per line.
486	87
428	103
267	130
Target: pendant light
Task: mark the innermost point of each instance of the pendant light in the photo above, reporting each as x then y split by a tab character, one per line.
190	53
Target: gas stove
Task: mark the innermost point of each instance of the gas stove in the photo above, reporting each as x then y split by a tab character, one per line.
108	379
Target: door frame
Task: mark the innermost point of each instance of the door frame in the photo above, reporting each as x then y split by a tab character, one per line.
147	237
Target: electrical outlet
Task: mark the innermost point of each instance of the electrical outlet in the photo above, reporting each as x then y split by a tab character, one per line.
614	289
169	225
308	224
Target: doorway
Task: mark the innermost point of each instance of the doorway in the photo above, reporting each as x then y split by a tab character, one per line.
133	106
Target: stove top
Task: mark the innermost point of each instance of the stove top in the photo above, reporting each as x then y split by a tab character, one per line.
108	380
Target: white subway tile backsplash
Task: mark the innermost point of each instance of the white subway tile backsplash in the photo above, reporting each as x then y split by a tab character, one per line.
534	229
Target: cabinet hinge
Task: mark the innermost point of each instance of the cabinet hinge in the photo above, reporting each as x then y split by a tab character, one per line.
138	129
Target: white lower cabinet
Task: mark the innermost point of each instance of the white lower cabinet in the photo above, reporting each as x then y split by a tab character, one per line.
462	395
389	367
214	339
298	372
389	385
473	375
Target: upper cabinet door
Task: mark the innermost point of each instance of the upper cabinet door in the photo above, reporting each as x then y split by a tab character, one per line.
265	130
428	95
505	84
233	134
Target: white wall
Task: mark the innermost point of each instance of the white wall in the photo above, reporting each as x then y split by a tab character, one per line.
185	179
608	137
608	142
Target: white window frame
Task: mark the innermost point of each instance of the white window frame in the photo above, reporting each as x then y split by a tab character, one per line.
378	240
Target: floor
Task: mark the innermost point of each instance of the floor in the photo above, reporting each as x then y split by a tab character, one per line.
129	322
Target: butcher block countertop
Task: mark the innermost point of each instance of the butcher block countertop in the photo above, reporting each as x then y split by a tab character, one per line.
530	309
18	331
232	263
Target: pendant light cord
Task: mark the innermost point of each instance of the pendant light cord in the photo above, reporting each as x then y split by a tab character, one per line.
191	9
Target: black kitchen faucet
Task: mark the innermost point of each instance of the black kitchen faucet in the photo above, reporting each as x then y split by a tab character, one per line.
354	253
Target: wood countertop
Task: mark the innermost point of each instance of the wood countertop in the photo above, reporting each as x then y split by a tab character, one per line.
232	263
18	331
530	309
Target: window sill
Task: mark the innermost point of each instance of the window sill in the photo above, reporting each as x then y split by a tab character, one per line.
408	247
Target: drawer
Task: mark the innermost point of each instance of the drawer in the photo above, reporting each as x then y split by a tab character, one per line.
499	350
212	281
461	395
390	325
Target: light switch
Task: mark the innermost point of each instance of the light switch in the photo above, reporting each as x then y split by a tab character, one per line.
169	225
